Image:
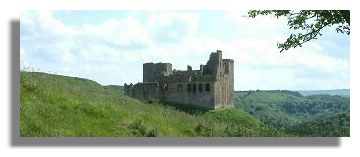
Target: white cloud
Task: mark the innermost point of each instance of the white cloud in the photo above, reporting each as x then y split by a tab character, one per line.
172	27
260	23
43	25
123	33
113	52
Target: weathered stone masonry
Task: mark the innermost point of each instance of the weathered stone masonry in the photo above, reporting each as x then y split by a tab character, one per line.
211	87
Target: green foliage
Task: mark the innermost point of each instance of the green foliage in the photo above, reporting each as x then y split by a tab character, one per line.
325	126
289	112
310	22
143	128
55	106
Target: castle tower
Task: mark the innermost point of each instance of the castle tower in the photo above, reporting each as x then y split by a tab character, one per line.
152	72
212	66
228	82
222	70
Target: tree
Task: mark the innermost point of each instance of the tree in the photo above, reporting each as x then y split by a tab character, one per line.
310	22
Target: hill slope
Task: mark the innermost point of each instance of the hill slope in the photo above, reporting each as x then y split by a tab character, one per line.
290	111
340	92
54	105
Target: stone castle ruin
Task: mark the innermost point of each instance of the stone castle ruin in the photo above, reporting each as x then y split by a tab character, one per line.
211	87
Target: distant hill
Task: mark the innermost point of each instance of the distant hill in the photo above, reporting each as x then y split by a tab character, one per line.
341	92
115	88
323	115
58	106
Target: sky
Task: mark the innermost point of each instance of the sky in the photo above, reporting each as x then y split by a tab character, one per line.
110	47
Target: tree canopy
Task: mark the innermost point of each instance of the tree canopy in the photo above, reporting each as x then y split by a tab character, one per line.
309	22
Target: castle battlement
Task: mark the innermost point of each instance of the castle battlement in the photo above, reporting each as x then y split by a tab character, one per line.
211	87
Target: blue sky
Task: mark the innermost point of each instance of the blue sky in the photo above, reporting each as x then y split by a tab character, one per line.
111	46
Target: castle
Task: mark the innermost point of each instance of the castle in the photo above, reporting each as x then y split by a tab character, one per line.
210	87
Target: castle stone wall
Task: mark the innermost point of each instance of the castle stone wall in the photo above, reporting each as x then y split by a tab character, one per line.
211	87
191	93
152	72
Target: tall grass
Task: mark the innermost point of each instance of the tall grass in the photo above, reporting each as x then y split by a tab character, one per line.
55	106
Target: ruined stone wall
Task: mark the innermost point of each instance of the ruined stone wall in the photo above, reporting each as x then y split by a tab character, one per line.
224	86
152	72
128	89
145	91
192	93
228	83
212	86
213	64
190	76
151	91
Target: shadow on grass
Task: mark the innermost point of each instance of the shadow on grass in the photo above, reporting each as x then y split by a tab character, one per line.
193	110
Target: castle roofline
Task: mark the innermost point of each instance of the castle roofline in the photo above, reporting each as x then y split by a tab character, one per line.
156	63
230	60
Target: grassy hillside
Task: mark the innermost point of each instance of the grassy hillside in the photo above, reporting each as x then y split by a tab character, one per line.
290	111
340	92
54	106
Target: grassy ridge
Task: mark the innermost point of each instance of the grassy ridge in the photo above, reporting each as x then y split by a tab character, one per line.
339	92
54	106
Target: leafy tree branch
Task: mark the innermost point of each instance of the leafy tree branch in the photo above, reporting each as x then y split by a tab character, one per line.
310	22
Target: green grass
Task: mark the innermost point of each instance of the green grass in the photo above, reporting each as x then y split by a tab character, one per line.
271	97
56	106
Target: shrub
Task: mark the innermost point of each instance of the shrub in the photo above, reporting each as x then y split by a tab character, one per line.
142	128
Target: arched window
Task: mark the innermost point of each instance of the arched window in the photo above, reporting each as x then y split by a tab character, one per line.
166	87
200	87
207	87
